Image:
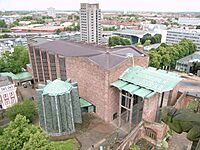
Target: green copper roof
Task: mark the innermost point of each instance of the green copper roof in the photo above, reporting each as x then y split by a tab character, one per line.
142	92
19	76
150	78
119	84
9	74
84	103
57	87
130	88
24	75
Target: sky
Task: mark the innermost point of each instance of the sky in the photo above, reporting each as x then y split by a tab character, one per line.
125	5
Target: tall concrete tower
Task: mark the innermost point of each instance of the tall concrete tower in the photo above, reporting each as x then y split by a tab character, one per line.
90	26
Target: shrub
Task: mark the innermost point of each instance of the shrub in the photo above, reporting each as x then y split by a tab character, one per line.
26	108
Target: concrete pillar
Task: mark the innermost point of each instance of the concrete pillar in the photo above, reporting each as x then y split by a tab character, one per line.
131	111
120	101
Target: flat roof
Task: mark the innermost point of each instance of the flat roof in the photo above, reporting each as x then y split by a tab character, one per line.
4	81
138	33
106	58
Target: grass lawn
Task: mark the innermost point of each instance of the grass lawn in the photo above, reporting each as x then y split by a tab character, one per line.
70	144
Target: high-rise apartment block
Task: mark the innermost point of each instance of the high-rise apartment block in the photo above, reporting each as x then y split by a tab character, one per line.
51	12
90	27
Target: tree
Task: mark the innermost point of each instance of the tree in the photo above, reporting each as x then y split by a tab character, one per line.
3	24
153	21
117	40
166	56
20	135
147	42
14	62
198	27
58	31
26	108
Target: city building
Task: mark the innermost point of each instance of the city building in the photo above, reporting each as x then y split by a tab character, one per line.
90	26
59	107
92	67
189	64
8	95
51	12
37	28
189	21
174	36
114	83
136	35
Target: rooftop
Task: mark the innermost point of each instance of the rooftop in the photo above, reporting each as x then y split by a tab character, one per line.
145	82
195	57
106	58
4	81
138	33
19	76
57	87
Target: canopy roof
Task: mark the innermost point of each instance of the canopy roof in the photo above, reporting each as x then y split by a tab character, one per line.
84	103
145	82
19	76
57	87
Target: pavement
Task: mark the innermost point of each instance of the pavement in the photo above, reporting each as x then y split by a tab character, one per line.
27	92
189	83
179	142
95	135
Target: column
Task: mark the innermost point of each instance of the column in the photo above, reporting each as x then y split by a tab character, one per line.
120	102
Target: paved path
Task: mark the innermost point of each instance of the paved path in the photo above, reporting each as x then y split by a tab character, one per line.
95	135
179	142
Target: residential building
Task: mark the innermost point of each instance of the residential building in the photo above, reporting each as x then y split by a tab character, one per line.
92	67
189	21
8	95
90	26
174	36
51	12
59	107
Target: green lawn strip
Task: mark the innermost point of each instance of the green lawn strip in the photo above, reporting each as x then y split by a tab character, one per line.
70	144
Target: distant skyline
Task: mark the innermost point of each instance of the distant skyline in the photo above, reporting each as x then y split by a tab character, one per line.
126	5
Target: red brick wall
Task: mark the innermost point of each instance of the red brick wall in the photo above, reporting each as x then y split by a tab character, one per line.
91	81
113	93
94	84
141	61
150	108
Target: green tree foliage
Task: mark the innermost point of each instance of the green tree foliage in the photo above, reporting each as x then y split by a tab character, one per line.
58	31
109	29
73	27
47	17
20	135
166	56
26	108
3	24
198	27
153	21
116	40
147	42
14	62
5	30
154	39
